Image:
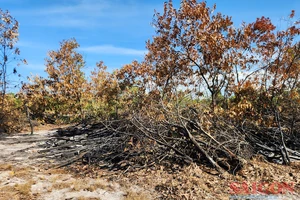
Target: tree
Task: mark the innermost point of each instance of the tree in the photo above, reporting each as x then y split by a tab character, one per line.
199	51
276	74
9	28
63	91
9	35
66	82
36	97
105	91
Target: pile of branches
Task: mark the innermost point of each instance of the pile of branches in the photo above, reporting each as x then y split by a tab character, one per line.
275	143
107	144
184	138
129	144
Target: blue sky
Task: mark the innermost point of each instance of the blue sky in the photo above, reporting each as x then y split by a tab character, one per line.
114	31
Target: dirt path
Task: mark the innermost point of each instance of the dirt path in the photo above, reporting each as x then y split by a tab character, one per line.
24	176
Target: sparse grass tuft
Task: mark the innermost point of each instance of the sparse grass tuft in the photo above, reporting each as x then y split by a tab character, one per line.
136	196
79	184
8	193
60	185
5	167
24	189
19	190
97	185
21	172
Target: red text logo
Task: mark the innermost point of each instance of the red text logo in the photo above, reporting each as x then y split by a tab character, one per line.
261	187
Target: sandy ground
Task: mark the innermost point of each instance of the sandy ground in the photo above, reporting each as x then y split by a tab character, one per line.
24	176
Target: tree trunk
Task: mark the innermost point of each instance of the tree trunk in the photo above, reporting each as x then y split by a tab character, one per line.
29	120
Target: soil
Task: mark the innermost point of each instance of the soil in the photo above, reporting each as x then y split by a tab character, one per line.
24	175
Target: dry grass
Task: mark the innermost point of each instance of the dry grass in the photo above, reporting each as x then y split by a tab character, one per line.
136	196
80	184
60	185
15	171
55	178
24	189
17	191
8	193
98	185
5	167
24	173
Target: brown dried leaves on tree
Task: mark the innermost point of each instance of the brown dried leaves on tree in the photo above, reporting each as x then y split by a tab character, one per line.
62	93
9	36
